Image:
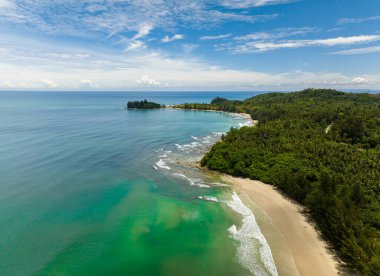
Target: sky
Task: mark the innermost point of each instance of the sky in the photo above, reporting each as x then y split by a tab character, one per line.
175	45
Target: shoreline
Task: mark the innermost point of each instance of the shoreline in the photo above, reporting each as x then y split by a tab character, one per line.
245	115
310	252
297	246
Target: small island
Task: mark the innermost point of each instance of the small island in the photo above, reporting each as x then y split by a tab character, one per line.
145	104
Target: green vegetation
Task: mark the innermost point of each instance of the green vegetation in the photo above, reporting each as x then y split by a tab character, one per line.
144	105
219	104
321	148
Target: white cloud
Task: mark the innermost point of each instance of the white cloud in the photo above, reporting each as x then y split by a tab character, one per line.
167	39
344	40
359	51
278	33
95	8
67	56
357	20
49	83
144	30
189	47
135	45
91	17
26	64
359	80
88	84
146	81
262	46
5	4
215	37
243	4
9	84
135	71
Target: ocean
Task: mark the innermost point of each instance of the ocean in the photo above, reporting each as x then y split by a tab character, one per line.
90	188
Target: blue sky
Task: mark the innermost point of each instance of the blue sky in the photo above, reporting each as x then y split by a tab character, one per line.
189	45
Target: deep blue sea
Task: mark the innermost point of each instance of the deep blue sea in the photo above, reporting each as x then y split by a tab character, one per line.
90	188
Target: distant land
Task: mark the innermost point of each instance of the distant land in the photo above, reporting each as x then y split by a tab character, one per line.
145	104
321	147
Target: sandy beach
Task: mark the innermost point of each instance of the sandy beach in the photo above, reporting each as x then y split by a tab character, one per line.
245	115
248	117
309	251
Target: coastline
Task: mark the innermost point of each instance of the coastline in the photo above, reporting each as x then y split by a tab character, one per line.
248	117
309	251
296	245
245	115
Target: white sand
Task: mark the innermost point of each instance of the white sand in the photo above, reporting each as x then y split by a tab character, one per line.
309	251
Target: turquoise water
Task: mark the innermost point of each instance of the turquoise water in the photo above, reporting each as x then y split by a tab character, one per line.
89	188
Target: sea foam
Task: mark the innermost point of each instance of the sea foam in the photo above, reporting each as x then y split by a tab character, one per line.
187	147
208	198
232	230
248	123
191	181
162	165
200	144
253	252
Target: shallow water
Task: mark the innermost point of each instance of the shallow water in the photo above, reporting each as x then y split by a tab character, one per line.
88	188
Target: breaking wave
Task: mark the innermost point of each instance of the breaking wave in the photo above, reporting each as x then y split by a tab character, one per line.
193	183
258	262
162	164
208	198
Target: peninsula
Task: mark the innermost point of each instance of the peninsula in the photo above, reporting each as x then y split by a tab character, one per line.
319	147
